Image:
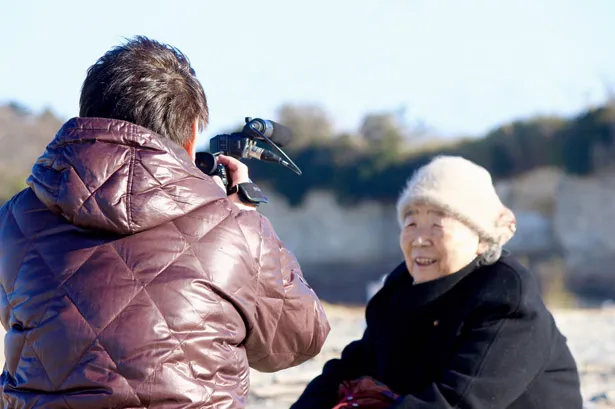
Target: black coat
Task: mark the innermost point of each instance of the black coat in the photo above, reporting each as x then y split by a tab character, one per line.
480	338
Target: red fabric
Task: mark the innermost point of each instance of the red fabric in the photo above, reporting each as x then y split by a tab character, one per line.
365	393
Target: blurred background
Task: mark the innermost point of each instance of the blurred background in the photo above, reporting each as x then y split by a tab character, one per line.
372	90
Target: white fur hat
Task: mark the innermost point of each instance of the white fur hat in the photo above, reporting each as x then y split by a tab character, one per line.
463	189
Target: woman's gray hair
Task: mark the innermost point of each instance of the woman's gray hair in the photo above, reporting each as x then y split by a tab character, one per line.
491	255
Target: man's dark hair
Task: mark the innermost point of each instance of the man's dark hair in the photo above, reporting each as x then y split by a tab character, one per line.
149	84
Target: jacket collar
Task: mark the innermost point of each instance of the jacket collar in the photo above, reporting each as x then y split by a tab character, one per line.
417	295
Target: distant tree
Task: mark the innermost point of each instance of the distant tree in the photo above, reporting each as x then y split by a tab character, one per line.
378	128
503	162
584	134
372	162
19	109
384	137
11	182
309	122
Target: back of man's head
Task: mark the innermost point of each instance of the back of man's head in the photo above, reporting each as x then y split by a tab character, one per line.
149	84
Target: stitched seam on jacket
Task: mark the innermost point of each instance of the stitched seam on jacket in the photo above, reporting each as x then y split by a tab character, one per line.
258	270
132	131
131	169
497	334
117	363
31	243
315	329
178	346
172	183
85	350
256	266
161	188
27	341
171	333
178	255
97	334
66	402
191	215
225	296
110	142
180	342
61	284
92	193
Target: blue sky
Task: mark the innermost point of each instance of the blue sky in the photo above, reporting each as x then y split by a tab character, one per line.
461	67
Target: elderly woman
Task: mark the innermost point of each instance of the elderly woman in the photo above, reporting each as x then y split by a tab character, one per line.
460	323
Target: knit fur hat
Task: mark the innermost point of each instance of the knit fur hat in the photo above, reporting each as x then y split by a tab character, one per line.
464	190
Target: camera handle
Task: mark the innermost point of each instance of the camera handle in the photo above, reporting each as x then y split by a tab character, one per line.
248	192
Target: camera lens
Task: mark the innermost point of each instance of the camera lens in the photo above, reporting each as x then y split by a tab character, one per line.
206	162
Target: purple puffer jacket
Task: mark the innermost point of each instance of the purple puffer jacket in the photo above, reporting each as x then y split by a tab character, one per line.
129	280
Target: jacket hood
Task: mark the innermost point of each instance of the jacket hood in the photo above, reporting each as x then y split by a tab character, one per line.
118	177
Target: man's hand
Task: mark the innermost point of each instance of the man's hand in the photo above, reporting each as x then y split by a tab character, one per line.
238	173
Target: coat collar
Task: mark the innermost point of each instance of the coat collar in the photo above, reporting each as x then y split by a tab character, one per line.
417	295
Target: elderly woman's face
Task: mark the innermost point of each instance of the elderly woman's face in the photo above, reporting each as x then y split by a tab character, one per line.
435	244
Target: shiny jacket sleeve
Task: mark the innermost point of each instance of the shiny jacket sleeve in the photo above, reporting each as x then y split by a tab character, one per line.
500	351
287	325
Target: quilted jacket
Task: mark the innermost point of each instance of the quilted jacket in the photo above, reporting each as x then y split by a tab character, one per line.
128	280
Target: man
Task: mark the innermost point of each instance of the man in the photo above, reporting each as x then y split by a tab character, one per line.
129	278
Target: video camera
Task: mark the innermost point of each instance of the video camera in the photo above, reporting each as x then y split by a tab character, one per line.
243	144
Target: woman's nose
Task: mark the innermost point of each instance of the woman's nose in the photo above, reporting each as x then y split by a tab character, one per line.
421	241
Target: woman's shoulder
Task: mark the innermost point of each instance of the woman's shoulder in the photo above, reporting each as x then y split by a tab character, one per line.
397	275
507	282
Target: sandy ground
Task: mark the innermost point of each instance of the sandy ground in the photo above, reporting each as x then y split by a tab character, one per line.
590	333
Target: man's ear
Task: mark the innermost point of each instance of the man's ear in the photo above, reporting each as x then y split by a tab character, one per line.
190	144
195	128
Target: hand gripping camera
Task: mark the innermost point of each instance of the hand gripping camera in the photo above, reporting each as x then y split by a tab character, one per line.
243	144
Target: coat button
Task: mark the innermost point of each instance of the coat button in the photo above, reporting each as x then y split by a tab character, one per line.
355	405
349	398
